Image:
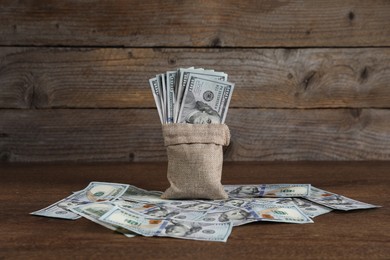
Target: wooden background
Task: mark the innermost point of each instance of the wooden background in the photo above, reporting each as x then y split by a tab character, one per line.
312	77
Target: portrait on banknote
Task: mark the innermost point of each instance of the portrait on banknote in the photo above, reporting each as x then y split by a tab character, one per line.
198	112
178	229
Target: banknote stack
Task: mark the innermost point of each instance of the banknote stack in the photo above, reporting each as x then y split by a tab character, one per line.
134	211
194	96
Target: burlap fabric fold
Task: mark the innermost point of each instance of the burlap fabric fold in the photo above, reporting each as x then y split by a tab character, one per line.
195	159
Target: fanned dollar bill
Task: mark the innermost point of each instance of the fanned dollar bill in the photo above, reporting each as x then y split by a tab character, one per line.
184	74
171	100
196	230
267	190
161	82
157	96
170	93
336	201
205	101
183	83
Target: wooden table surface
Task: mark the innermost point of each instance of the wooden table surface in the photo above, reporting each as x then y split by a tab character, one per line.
362	234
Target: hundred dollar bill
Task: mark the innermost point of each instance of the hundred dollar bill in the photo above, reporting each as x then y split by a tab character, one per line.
159	211
170	100
280	201
285	190
153	198
94	192
166	213
129	204
228	204
238	216
232	202
311	209
184	76
192	205
280	213
60	209
336	201
93	211
157	96
162	85
260	212
137	194
205	101
267	190
168	228
101	191
171	78
178	76
247	202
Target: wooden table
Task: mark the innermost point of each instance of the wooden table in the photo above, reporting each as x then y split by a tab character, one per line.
363	234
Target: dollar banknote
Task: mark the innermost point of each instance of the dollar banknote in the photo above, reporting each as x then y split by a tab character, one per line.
93	211
137	194
162	85
101	191
336	201
183	229
280	213
183	83
232	202
60	209
94	192
205	101
160	211
277	211
238	216
268	190
280	201
311	209
158	97
228	204
171	100
194	205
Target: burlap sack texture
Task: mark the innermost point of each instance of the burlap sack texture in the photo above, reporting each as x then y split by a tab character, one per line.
195	159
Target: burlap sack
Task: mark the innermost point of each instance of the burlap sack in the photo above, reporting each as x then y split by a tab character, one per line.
195	160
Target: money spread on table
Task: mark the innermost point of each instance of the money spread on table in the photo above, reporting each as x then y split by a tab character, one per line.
134	211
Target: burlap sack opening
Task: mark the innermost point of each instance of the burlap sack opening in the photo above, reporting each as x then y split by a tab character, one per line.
195	159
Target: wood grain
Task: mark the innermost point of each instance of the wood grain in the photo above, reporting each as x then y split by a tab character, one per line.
264	78
316	134
135	135
360	234
250	23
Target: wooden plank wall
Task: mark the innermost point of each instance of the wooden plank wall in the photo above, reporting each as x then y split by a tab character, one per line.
312	77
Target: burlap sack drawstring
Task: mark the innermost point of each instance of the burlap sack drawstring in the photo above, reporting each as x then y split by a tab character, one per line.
195	159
